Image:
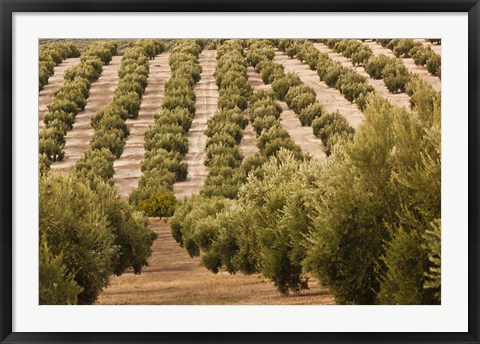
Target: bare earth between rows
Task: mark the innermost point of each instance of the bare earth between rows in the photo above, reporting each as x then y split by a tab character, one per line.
173	278
301	135
400	99
128	166
101	93
45	96
206	91
434	81
330	98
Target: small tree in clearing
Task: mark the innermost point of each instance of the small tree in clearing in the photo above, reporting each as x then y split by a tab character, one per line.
159	205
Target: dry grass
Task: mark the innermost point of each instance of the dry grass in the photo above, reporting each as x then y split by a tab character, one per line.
176	279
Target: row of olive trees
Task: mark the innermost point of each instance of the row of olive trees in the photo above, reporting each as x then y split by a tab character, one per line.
225	127
355	50
425	101
393	72
166	141
423	56
366	222
196	225
51	55
299	97
87	233
347	81
376	230
69	99
223	156
109	124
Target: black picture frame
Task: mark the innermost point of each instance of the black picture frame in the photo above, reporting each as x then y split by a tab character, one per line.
8	7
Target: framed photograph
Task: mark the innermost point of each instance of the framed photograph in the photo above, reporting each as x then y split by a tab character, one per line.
237	171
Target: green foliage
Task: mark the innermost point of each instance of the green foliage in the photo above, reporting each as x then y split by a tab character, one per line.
281	85
376	64
434	64
187	213
173	102
171	161
57	286
261	231
299	97
91	231
396	76
420	54
43	164
270	71
113	140
258	52
404	46
432	238
152	47
73	222
329	127
95	163
349	228
166	142
159	205
223	180
406	262
63	105
110	110
154	181
72	96
358	52
373	206
50	148
130	102
169	142
51	55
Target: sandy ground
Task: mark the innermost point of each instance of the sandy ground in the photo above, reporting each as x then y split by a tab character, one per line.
377	49
173	278
127	167
248	145
206	91
45	96
101	93
399	99
303	136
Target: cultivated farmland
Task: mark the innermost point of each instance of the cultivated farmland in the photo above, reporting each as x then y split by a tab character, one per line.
240	171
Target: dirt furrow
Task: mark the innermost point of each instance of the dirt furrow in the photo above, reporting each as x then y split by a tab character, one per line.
127	167
331	99
46	95
206	91
434	81
101	93
399	99
302	135
174	278
248	145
